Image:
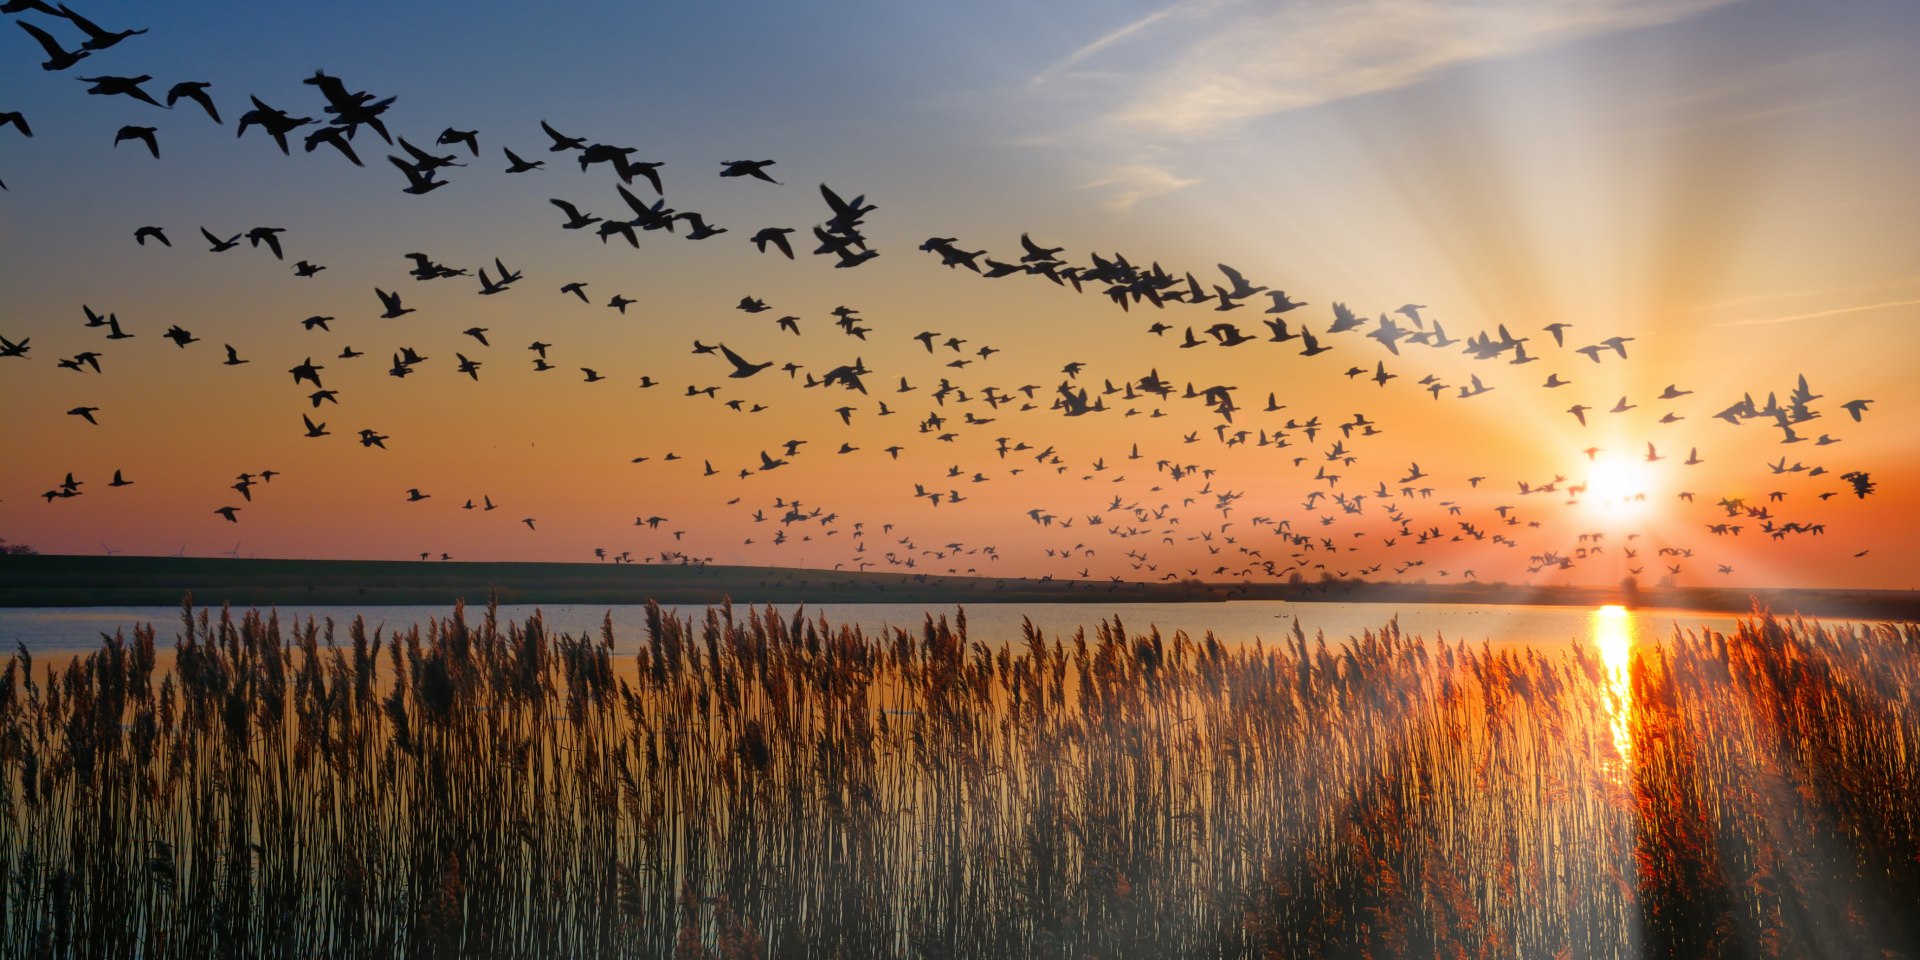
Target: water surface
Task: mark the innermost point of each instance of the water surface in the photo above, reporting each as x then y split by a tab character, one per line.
74	629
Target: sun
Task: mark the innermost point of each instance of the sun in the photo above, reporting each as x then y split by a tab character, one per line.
1618	486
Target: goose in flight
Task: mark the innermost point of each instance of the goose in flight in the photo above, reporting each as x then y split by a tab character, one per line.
142	134
58	57
140	236
471	138
519	165
229	512
747	168
97	39
415	496
418	183
308	371
1036	253
217	245
427	162
1241	289
562	142
269	236
701	228
1313	346
392	302
575	219
350	110
275	122
335	137
776	236
197	92
1282	303
741	368
85	413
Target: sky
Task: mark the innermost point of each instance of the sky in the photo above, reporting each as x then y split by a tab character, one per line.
1728	183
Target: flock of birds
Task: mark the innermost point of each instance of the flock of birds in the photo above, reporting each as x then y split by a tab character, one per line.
1175	517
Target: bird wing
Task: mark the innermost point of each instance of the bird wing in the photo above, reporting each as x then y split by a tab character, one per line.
47	42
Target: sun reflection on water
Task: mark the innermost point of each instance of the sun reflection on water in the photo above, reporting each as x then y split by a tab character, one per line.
1612	632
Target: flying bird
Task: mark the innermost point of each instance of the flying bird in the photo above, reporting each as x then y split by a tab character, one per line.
195	91
142	134
97	39
58	57
747	168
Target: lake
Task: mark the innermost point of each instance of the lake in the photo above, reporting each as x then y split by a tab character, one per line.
48	630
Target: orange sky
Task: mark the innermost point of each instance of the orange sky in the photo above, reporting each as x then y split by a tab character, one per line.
1720	183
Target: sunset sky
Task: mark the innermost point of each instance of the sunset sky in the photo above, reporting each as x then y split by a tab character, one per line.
1729	183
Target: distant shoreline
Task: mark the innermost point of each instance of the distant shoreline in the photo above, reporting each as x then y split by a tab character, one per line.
84	581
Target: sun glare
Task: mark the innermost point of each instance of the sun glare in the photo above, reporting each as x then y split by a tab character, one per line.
1618	486
1612	633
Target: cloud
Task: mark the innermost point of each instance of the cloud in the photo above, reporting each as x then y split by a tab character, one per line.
1837	311
1250	59
1073	59
1131	183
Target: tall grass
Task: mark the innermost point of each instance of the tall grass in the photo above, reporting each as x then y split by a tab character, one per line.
774	786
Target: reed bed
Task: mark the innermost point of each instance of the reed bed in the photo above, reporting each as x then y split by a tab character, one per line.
776	786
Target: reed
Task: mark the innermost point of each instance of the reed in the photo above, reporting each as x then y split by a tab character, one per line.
770	785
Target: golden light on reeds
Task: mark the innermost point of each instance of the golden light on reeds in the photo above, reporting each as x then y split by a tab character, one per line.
1611	629
770	786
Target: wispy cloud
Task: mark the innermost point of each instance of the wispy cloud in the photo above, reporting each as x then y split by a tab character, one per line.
1201	69
1131	183
1251	59
1818	314
1073	59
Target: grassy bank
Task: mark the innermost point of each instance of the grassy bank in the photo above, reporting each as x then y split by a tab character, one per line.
762	786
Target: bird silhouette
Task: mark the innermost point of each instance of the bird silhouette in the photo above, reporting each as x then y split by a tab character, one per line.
142	134
747	168
277	123
418	183
270	236
741	368
391	301
217	245
97	39
195	91
517	165
58	57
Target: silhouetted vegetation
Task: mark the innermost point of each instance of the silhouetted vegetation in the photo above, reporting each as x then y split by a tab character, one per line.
773	786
